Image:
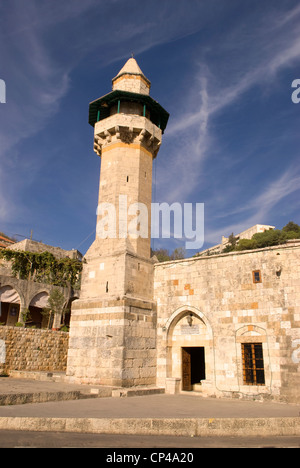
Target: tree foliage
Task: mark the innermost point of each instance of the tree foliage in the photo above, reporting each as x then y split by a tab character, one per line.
163	255
56	305
266	239
232	243
292	227
56	301
43	267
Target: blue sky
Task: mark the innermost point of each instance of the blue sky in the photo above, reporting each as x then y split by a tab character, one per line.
222	69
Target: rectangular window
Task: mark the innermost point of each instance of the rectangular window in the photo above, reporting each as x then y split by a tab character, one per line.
256	276
253	364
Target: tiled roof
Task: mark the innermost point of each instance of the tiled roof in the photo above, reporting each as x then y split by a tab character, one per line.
5	242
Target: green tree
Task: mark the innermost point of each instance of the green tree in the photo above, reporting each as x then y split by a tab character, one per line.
163	255
232	243
292	230
56	302
269	238
44	268
291	226
246	244
178	254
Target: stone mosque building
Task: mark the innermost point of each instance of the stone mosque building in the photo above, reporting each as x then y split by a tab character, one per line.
224	325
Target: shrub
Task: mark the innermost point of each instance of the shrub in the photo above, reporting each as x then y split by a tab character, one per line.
264	239
246	244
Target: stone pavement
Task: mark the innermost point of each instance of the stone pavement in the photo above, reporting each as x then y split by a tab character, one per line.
14	391
183	414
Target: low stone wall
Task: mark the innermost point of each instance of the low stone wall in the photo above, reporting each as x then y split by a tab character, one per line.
32	350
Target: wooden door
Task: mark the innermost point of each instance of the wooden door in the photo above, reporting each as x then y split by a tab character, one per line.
186	370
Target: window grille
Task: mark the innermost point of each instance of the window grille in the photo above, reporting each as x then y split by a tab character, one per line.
256	276
253	364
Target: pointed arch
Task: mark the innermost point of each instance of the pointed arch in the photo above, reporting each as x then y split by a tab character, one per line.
181	336
10	303
179	313
9	294
40	300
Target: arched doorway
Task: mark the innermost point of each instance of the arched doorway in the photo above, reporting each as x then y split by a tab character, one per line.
9	305
189	348
36	307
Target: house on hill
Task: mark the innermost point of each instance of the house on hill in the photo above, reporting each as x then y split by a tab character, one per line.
5	242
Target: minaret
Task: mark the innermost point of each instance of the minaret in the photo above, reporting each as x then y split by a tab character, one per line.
113	324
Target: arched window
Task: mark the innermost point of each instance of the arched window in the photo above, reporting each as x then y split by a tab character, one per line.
40	300
38	303
9	305
10	295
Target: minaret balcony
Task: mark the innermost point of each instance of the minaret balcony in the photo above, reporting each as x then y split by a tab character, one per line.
128	129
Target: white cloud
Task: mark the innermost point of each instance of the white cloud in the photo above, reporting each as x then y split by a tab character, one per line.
7	211
211	97
40	78
258	210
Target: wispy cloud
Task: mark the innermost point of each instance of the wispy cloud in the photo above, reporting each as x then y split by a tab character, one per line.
212	96
35	88
286	184
43	44
258	208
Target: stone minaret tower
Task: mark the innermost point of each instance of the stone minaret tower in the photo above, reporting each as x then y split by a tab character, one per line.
113	324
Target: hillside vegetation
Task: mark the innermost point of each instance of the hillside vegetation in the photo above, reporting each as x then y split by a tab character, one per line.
264	239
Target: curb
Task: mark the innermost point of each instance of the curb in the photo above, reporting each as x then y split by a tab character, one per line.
42	397
10	399
172	427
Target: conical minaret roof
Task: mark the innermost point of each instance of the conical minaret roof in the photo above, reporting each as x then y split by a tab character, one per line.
131	66
131	78
130	85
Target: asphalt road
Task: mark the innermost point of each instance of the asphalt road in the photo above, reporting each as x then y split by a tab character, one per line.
21	439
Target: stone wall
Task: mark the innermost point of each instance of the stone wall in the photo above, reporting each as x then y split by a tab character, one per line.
113	343
32	350
38	247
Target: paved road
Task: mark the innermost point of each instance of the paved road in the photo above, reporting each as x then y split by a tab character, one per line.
153	406
184	407
16	439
